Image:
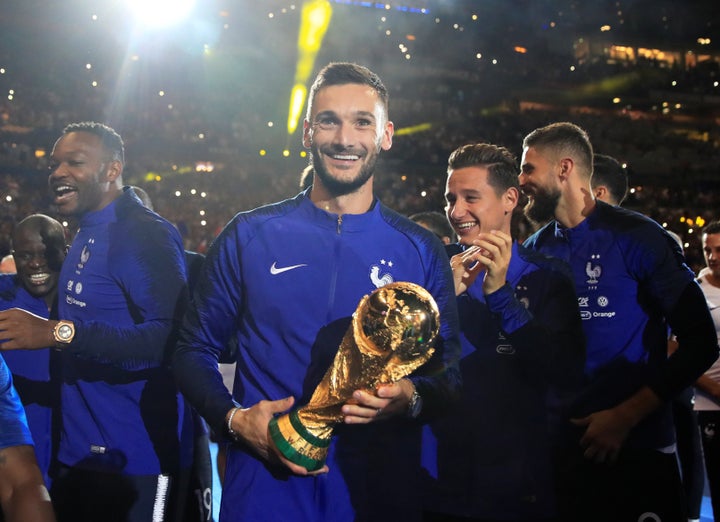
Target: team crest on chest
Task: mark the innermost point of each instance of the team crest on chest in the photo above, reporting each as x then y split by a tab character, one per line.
520	291
380	274
593	269
85	254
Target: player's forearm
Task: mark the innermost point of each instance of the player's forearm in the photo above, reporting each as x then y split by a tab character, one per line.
22	490
638	406
709	386
197	375
697	344
29	502
133	347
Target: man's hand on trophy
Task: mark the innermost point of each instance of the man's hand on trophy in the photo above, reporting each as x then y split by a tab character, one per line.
250	425
389	400
295	468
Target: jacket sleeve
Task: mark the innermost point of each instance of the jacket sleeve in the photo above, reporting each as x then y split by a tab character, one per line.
658	263
692	324
15	430
208	327
438	382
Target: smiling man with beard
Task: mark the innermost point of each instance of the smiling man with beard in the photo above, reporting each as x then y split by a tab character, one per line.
541	204
286	279
346	166
124	446
39	250
631	282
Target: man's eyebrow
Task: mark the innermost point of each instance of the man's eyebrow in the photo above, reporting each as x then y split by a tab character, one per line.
367	114
325	114
333	114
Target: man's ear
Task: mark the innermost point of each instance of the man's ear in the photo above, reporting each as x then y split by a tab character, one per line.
307	134
113	172
388	131
601	192
510	199
566	167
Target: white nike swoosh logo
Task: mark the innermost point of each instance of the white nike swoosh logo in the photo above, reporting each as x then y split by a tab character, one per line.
275	270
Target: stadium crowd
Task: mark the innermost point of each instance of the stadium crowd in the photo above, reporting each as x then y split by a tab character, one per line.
212	146
670	173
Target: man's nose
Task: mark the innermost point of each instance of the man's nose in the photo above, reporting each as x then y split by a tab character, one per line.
344	135
457	210
38	260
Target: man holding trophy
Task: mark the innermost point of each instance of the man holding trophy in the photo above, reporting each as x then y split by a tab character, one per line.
347	329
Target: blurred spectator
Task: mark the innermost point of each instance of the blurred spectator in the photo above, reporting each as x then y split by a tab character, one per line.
609	181
7	265
436	223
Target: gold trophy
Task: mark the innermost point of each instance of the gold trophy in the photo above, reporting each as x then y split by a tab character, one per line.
391	334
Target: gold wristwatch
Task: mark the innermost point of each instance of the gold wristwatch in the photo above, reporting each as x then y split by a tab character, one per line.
64	332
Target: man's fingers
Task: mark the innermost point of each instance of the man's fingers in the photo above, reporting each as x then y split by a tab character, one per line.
281	405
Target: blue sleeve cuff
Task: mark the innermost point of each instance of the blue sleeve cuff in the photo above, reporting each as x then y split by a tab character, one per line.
513	314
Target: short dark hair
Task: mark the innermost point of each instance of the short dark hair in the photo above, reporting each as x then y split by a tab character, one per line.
607	171
110	140
499	162
51	230
435	222
343	73
564	138
711	228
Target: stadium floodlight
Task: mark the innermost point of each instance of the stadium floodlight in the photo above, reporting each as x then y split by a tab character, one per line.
315	19
160	13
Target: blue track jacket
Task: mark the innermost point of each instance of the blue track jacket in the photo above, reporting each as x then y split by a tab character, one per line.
34	374
523	351
632	282
286	279
123	285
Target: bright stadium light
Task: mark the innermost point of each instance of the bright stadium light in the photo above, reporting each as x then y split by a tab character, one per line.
315	19
160	13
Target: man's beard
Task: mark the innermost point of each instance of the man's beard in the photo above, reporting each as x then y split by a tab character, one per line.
341	187
540	208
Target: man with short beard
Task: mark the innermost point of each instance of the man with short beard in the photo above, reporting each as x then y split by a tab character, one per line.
540	208
125	445
286	279
632	282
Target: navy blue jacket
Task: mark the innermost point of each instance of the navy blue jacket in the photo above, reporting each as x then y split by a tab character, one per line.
523	353
632	284
285	279
35	374
15	431
123	284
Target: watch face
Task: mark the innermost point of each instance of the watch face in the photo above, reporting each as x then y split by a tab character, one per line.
65	332
415	405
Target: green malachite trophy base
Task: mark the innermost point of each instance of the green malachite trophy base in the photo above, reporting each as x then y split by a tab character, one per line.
296	443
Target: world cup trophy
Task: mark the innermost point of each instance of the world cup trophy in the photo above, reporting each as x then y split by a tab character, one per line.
392	334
